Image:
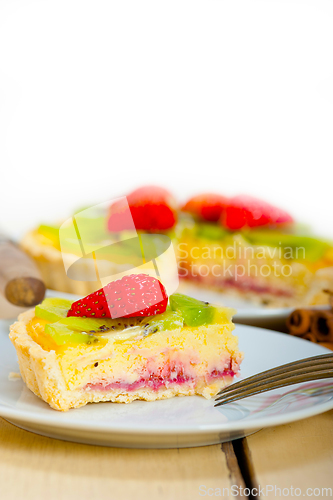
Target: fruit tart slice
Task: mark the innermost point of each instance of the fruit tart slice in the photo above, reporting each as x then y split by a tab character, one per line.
71	354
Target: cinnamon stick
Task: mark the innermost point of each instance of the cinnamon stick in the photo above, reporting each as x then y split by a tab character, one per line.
322	326
299	321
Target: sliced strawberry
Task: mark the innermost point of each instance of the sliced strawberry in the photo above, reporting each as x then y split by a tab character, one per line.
152	209
133	295
120	217
246	211
207	206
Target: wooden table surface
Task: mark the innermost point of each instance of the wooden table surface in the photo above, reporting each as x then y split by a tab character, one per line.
297	455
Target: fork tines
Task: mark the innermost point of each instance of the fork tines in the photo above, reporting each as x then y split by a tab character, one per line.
304	370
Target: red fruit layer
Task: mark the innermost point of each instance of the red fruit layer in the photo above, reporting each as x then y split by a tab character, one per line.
134	295
243	283
156	382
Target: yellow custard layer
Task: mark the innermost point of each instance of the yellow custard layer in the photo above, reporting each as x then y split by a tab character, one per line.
202	350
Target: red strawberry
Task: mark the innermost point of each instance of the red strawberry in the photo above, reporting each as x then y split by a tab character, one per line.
207	206
245	211
152	209
133	295
120	217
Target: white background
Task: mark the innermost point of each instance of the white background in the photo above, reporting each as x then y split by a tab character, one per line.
98	97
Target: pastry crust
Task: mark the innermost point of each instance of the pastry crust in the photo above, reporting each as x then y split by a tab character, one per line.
39	369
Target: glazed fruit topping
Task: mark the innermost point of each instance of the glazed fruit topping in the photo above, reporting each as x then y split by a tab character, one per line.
169	320
152	209
195	312
236	213
198	313
53	309
75	330
207	206
246	211
133	295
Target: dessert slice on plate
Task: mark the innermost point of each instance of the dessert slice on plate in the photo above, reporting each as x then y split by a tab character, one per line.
71	354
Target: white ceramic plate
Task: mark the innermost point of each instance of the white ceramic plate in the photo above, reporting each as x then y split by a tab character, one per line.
177	422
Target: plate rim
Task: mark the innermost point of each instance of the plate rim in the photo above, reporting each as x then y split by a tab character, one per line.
199	429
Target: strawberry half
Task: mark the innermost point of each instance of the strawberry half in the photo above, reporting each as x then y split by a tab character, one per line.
152	209
246	211
207	206
133	295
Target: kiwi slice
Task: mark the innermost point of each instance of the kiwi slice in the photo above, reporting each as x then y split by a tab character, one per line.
195	312
64	334
169	320
198	313
308	247
74	330
53	309
211	231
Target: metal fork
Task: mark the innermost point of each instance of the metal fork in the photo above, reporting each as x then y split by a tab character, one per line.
304	370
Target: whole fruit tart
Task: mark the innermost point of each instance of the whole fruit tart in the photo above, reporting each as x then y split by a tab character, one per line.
240	245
